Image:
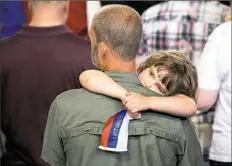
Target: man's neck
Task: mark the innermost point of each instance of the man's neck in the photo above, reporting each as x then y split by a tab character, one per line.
46	20
45	23
122	67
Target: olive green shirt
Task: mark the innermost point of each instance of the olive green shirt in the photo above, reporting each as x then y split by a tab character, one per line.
76	120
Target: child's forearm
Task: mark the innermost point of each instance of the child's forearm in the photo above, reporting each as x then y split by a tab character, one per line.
179	105
98	82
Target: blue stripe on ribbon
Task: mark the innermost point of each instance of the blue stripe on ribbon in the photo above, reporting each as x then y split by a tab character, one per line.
114	132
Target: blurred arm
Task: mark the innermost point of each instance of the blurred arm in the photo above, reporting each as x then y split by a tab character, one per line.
96	81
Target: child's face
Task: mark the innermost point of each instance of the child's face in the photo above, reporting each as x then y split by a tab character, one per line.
151	79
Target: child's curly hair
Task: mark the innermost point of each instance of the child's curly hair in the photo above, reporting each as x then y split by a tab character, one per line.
181	77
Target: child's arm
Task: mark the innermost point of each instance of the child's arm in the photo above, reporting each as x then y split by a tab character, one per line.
98	82
179	105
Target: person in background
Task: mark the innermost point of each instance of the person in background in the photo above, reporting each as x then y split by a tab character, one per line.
215	88
183	26
39	62
180	25
79	18
14	14
77	117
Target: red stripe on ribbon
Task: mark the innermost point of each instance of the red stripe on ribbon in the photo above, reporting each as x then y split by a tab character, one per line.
106	131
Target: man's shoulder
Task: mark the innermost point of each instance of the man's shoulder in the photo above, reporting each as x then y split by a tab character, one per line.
6	45
222	30
73	96
77	47
71	99
76	107
8	40
75	39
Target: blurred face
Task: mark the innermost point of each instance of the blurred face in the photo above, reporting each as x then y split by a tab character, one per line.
151	79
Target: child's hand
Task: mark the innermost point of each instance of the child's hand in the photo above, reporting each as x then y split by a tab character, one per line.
135	103
135	115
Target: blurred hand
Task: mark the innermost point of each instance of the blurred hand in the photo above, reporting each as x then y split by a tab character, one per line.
135	115
135	103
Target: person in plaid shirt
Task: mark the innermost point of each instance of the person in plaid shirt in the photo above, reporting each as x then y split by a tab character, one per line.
183	26
180	25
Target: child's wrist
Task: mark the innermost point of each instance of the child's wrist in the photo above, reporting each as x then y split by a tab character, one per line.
149	103
122	95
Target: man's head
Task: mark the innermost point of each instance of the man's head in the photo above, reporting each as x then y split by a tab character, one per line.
169	73
49	11
115	34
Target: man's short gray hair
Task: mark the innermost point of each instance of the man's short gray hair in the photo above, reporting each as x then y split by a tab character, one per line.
120	27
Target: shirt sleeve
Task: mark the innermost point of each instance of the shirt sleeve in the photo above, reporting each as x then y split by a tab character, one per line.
191	147
209	74
52	151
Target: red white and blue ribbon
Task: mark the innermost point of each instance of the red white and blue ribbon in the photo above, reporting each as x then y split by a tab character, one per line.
115	133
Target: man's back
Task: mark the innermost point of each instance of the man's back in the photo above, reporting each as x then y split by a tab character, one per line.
37	64
77	118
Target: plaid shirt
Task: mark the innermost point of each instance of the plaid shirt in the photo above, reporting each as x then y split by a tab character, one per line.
183	26
180	25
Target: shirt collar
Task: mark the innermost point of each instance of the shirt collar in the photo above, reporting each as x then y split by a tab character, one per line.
43	31
127	77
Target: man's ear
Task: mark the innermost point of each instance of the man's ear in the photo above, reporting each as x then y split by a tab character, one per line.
103	55
103	51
